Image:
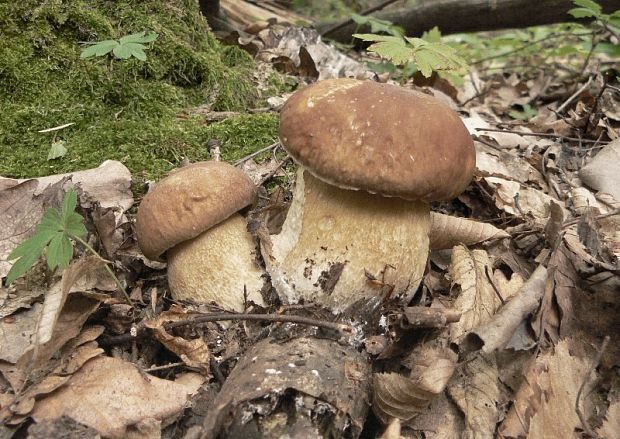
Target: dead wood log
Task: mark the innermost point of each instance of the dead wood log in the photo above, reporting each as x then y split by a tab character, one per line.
304	387
454	16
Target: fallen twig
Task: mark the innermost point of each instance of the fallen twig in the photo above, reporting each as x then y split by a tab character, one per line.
262	317
255	153
557	136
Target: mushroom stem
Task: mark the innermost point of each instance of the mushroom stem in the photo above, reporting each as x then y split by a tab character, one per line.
217	266
338	246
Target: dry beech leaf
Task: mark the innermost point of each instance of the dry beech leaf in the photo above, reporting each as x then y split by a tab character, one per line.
392	431
476	392
194	353
448	231
56	297
602	171
611	424
546	408
16	333
503	139
491	162
74	313
110	395
584	200
515	199
396	396
508	288
477	300
498	332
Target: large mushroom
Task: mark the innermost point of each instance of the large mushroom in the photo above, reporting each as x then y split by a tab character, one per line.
373	156
191	218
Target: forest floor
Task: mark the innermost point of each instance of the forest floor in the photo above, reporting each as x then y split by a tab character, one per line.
512	333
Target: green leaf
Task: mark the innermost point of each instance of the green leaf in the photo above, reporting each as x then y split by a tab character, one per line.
395	51
59	252
21	266
69	203
378	25
527	113
122	52
432	36
99	49
57	150
582	13
32	246
74	225
374	37
589	4
140	37
54	232
136	50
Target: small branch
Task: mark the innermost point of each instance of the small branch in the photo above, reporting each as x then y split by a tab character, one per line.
255	153
595	363
340	327
574	95
216	317
601	216
555	136
166	366
269	176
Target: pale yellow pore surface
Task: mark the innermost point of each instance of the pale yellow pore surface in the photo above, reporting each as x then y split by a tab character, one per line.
332	236
215	266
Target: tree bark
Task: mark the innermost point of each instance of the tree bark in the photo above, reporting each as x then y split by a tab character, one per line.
454	16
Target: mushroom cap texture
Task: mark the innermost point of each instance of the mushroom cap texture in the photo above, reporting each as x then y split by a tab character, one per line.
379	138
189	201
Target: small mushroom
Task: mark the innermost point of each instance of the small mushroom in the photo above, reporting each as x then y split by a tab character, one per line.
192	217
373	156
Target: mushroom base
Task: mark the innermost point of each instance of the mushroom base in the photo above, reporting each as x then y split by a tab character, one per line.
217	266
338	246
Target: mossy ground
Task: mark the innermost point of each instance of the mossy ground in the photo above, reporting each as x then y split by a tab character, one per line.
126	110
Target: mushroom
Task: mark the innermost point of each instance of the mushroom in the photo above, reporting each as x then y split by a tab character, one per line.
192	217
373	156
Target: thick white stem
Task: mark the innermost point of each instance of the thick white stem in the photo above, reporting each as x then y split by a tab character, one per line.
217	266
338	246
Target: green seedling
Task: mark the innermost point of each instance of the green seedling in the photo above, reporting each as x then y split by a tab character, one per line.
125	48
54	237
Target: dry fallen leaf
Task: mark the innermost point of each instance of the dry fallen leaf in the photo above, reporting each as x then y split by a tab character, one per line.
448	231
611	425
476	392
396	396
194	353
110	395
477	300
601	173
497	333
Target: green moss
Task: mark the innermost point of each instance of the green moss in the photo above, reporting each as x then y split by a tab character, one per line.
121	109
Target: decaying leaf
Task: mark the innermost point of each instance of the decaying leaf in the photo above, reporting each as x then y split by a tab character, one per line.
56	297
194	353
545	405
477	300
36	358
602	171
518	200
497	333
111	395
448	231
476	392
611	425
397	396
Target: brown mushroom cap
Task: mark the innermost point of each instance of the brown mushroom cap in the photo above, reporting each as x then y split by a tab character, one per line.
379	138
189	201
